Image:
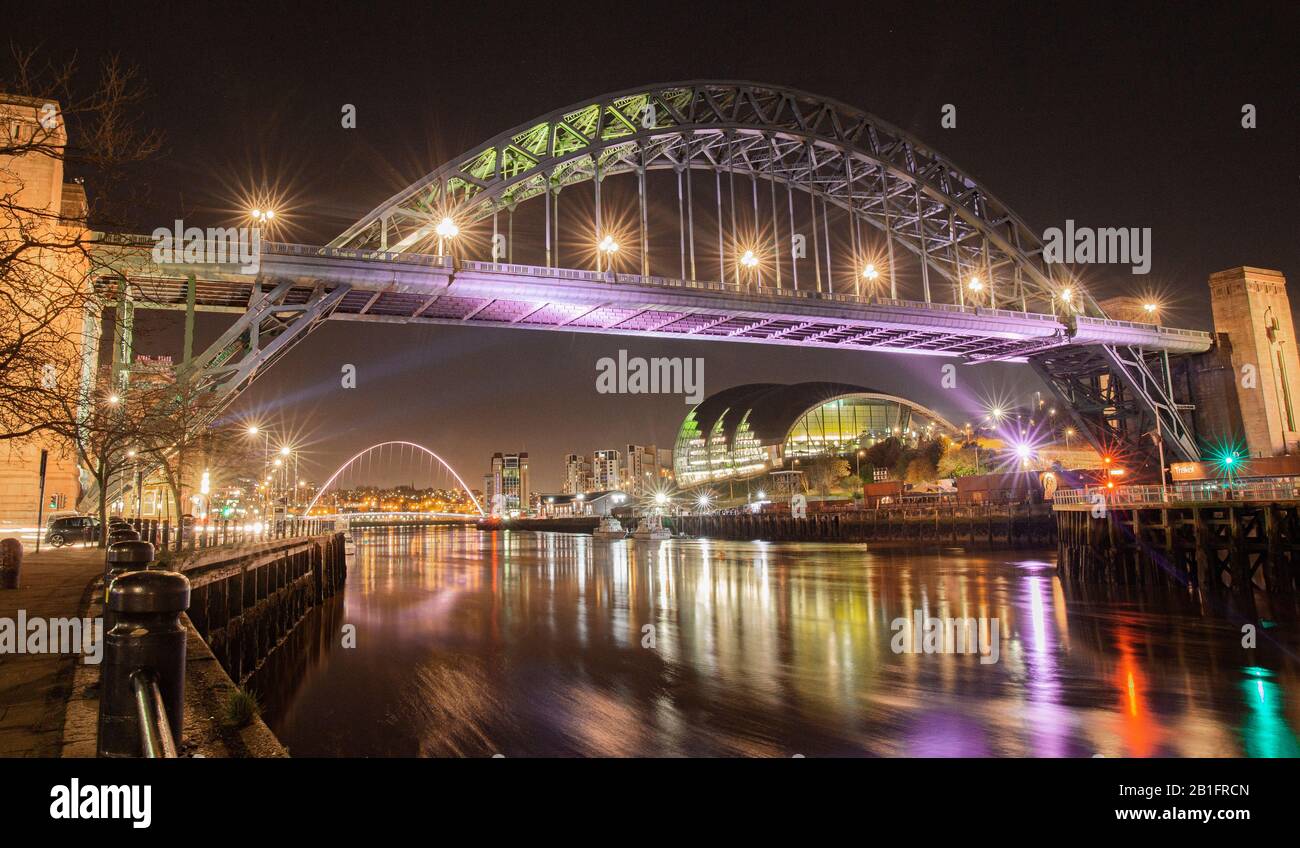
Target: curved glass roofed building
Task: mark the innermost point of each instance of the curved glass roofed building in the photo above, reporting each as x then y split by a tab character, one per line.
751	429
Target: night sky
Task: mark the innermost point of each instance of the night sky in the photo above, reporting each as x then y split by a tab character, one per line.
1111	116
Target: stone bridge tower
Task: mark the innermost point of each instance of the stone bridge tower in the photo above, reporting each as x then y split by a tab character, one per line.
1251	308
35	196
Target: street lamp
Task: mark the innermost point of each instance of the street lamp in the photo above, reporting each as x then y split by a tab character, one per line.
262	216
750	261
607	247
446	229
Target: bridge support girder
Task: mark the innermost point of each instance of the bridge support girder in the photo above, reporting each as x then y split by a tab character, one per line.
1120	397
262	335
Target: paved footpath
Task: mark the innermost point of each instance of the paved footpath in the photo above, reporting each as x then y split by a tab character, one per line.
35	688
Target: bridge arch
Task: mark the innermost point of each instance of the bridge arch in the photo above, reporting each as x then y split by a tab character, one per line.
380	445
878	174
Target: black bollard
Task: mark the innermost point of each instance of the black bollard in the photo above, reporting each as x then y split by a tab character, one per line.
146	647
122	557
11	563
123	534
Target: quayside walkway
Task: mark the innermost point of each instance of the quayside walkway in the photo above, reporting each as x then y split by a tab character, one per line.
35	688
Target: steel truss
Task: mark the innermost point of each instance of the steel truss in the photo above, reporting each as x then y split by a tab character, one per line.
1120	397
272	324
841	155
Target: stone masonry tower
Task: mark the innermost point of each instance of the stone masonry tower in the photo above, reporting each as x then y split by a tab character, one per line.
1251	306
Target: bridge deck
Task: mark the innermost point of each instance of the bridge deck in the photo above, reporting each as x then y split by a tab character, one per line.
404	288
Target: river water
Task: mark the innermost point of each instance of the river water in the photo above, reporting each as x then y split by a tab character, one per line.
541	644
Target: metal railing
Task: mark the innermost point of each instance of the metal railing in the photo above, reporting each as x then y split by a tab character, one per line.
1280	488
156	741
210	534
742	289
277	248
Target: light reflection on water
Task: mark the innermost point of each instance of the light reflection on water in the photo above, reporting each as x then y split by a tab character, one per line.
470	644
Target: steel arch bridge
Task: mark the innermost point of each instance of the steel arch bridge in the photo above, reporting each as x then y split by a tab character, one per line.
959	274
876	173
379	446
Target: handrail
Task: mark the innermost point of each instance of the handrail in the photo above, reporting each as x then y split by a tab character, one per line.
1279	488
156	740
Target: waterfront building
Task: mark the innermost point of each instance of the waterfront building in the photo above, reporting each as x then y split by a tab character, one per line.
577	474
508	481
640	469
749	430
606	470
581	504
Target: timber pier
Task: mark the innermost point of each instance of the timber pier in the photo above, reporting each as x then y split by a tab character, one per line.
1222	538
991	525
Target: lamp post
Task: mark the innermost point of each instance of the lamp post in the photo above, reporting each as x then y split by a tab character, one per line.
870	274
606	247
446	230
750	261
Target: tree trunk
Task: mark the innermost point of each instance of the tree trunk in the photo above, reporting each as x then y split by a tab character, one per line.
103	509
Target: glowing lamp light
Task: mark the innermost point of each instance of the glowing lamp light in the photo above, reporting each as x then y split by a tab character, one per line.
661	498
1151	308
253	430
702	500
749	260
762	495
975	284
285	451
113	399
870	272
205	484
447	228
1066	294
607	245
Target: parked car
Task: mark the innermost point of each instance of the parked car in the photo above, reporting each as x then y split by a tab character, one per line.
69	529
